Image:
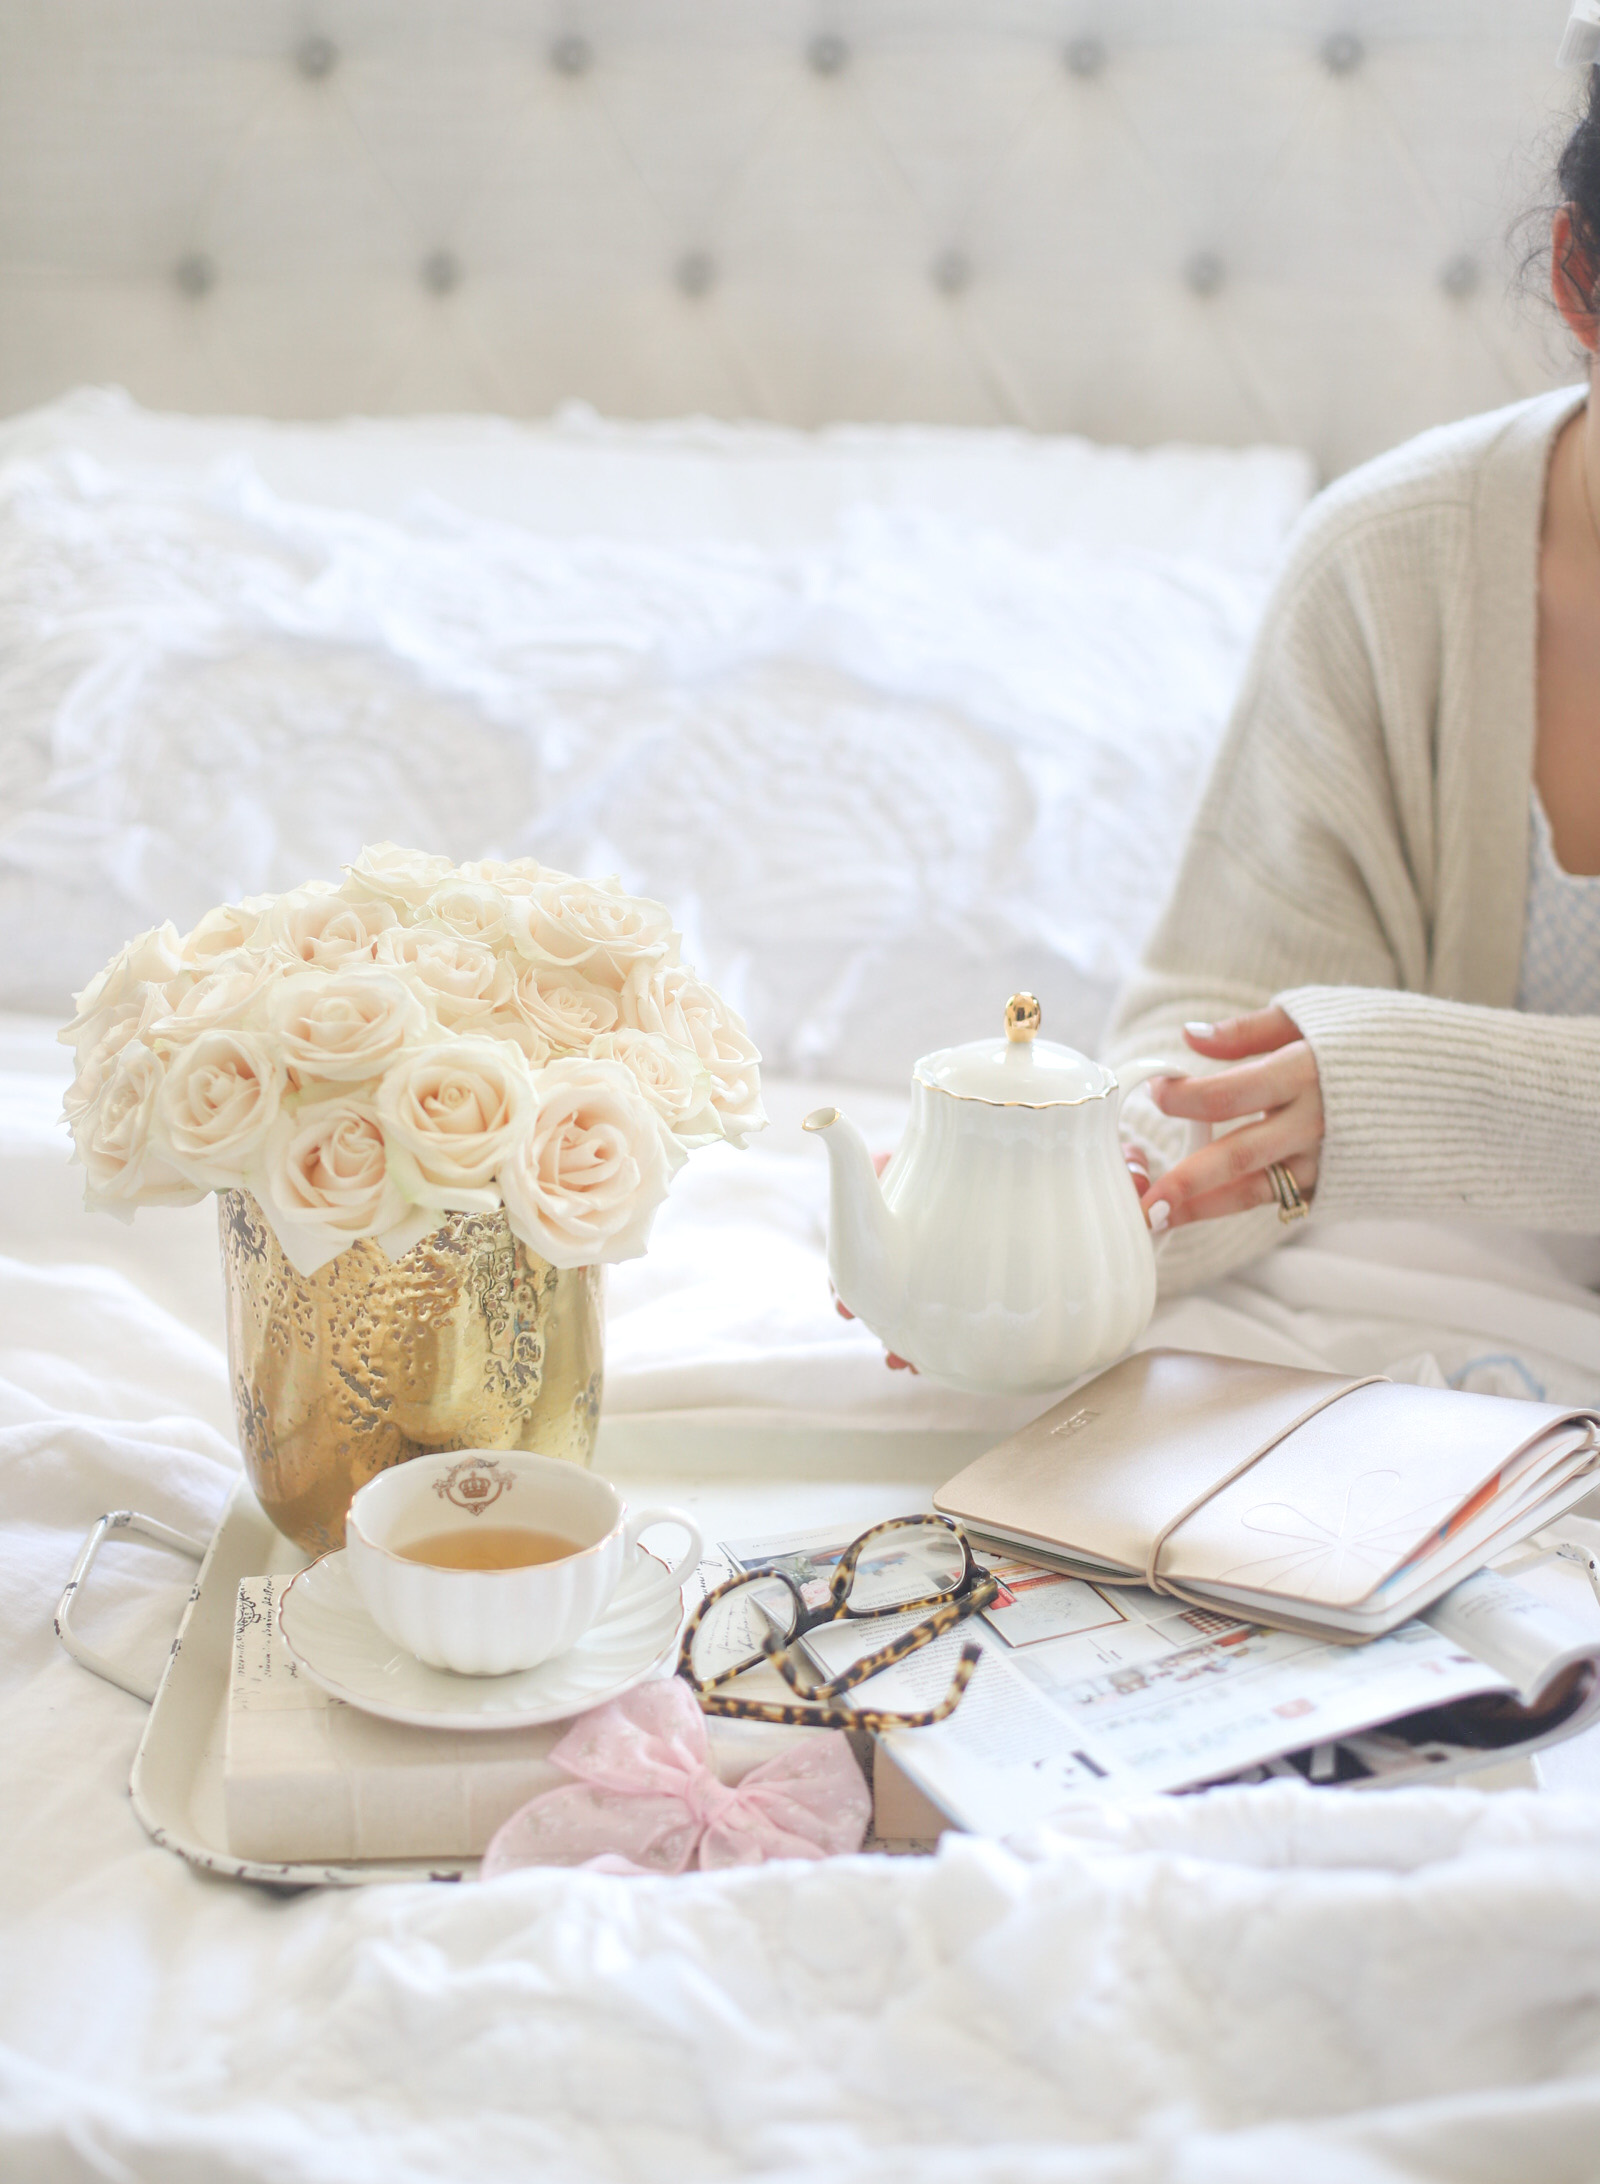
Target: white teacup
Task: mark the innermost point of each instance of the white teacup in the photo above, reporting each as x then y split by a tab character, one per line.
486	1622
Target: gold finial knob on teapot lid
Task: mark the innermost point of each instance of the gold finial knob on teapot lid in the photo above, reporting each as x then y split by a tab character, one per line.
1023	1017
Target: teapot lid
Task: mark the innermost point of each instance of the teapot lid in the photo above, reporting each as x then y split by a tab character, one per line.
1020	1070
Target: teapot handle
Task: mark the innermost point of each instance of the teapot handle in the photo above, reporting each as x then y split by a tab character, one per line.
1133	1074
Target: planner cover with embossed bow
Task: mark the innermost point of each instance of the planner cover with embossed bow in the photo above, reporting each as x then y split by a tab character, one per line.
1306	1499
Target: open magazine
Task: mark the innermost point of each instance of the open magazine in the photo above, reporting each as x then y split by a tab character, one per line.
1090	1691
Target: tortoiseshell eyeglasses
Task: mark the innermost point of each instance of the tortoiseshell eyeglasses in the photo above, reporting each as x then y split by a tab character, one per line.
899	1566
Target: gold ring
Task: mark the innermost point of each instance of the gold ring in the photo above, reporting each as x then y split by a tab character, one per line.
1291	1206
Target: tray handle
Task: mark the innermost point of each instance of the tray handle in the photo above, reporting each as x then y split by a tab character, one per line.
125	1521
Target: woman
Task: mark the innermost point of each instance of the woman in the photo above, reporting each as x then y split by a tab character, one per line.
1385	932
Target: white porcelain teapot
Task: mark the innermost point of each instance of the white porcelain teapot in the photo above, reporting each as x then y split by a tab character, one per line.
1004	1250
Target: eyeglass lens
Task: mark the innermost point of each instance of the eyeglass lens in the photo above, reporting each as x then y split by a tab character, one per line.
907	1563
895	1567
736	1627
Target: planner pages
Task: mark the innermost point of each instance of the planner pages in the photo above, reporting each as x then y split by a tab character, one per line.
1101	1692
1302	1499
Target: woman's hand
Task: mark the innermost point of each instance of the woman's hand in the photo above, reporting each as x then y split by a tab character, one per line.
1275	1079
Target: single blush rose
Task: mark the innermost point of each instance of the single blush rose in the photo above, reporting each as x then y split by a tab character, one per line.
404	878
594	928
150	960
465	980
342	1027
672	1078
228	998
116	1140
566	1011
677	1006
221	931
319	927
451	1113
586	1177
218	1100
470	909
327	1167
103	1038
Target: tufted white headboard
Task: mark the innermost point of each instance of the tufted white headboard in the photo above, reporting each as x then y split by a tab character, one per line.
1222	220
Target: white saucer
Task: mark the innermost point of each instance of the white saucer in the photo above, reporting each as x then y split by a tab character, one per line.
339	1646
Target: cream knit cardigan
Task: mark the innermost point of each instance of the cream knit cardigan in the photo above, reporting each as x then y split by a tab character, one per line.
1361	856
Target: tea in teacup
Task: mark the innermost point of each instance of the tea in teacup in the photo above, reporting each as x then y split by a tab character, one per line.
495	1547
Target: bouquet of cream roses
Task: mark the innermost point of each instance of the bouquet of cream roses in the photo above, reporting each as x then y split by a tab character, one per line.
422	1039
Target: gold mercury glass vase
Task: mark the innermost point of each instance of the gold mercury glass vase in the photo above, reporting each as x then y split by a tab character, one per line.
468	1341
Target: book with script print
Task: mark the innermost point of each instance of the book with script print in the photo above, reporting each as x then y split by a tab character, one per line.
308	1778
1306	1500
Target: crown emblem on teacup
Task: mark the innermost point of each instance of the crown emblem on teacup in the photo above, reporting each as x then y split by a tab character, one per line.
473	1485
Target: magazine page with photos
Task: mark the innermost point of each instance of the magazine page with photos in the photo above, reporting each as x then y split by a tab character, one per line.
1116	1691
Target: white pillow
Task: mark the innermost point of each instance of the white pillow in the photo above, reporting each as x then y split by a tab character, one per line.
682	480
883	777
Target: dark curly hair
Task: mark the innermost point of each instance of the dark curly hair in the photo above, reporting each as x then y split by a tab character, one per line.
1578	180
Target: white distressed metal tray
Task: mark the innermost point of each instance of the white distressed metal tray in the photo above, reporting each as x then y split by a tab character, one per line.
727	1472
176	1784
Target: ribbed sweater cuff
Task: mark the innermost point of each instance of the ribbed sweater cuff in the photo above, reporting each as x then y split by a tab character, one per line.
1441	1107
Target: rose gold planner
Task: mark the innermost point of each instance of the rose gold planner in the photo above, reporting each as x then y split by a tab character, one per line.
1301	1498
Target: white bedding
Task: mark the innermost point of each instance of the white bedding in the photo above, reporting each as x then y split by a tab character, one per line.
897	721
1252	1986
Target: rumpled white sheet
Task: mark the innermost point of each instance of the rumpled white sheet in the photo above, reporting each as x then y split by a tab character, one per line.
1239	1989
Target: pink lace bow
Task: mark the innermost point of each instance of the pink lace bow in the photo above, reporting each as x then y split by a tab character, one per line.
646	1799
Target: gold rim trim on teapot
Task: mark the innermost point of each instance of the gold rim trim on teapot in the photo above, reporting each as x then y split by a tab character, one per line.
1023	1017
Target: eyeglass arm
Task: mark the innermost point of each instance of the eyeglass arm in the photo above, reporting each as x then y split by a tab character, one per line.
874	1720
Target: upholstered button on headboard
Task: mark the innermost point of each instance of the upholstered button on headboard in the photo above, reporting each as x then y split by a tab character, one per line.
1222	220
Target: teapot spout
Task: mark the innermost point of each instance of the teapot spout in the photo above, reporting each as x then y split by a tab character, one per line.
866	1246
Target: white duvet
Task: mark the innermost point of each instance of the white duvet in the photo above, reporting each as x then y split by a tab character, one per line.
1254	1987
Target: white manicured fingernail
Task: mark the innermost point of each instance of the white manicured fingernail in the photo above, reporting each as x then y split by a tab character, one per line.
1158	1215
1201	1031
